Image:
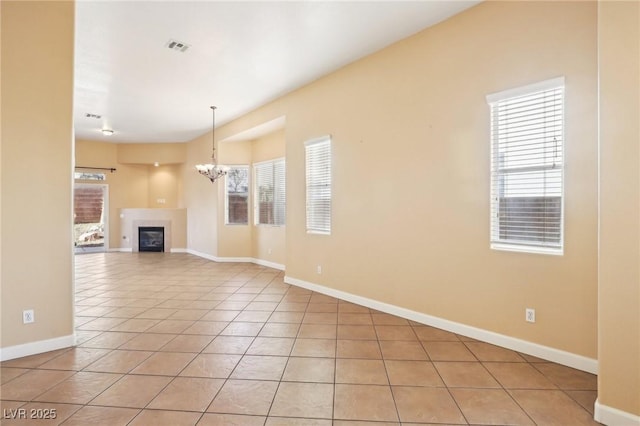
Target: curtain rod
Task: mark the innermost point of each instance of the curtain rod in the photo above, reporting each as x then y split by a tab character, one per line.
111	169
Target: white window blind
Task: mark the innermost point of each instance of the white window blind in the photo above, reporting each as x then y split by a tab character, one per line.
237	196
318	177
527	147
270	192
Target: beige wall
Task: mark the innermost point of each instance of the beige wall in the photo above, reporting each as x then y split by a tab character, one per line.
164	186
149	153
1	186
132	185
619	275
201	199
410	129
37	144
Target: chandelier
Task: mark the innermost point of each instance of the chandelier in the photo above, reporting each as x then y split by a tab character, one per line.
212	170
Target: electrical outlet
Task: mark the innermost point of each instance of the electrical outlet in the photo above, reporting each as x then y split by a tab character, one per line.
28	316
319	269
530	315
269	251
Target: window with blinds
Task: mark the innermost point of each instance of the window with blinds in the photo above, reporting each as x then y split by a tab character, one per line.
318	178
527	147
237	196
270	194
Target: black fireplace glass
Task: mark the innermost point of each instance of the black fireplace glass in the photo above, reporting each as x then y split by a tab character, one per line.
151	238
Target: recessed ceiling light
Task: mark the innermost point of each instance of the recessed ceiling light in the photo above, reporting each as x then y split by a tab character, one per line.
177	45
107	132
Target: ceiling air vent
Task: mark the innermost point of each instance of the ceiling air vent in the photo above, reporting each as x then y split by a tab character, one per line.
96	116
177	45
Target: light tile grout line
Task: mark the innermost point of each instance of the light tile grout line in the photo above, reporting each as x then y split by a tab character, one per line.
285	367
386	371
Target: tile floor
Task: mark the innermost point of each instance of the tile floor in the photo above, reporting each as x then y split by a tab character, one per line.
173	339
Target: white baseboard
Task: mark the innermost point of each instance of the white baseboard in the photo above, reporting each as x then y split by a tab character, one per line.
203	255
614	417
178	250
32	348
268	264
545	352
219	259
235	259
260	262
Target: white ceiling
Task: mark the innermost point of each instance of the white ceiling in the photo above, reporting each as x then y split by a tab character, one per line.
241	56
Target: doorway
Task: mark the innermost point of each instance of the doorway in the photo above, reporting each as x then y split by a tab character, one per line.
90	217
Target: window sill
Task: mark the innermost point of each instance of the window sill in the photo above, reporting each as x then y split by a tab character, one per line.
318	232
527	249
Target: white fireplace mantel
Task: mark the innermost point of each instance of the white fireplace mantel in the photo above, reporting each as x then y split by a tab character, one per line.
174	222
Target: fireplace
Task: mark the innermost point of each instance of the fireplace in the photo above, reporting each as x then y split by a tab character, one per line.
151	238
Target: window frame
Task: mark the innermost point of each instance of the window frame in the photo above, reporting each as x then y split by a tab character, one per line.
279	192
227	193
311	203
523	245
